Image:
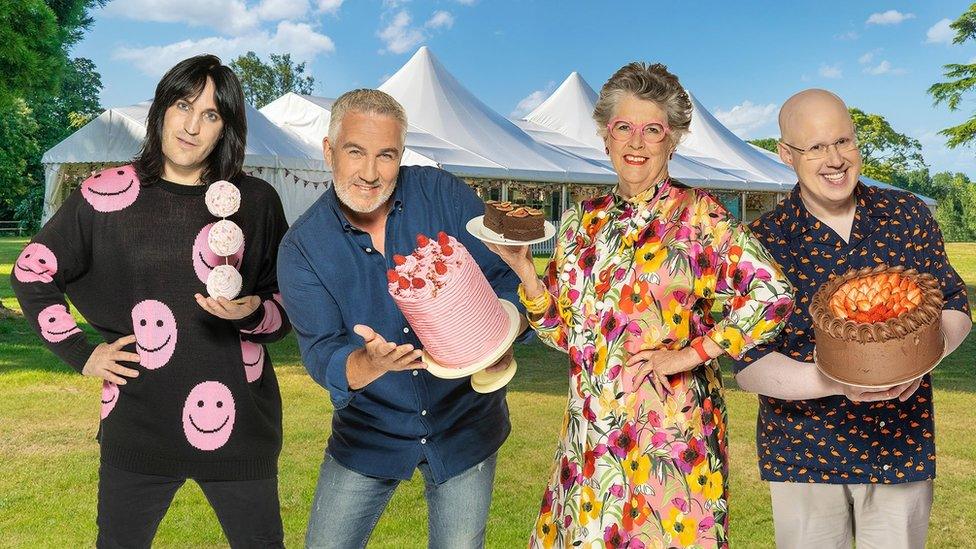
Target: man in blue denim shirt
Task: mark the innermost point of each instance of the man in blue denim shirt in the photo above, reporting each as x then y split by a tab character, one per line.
391	416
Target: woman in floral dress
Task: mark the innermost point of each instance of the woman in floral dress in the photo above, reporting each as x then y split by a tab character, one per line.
642	459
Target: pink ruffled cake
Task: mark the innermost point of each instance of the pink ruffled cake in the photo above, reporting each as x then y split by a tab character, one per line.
448	302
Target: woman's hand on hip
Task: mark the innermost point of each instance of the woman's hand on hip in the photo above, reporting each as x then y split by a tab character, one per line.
658	364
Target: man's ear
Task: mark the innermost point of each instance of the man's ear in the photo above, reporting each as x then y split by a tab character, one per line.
327	151
785	154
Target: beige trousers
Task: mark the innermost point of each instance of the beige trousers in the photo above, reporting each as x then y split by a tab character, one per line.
829	516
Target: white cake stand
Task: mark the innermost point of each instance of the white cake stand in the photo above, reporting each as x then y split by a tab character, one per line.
482	381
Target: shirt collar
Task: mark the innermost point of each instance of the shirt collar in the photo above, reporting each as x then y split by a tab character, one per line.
643	198
869	202
341	216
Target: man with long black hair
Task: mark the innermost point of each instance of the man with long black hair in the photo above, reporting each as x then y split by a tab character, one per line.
188	389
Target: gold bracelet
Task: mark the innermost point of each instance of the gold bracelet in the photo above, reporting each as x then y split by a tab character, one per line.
535	306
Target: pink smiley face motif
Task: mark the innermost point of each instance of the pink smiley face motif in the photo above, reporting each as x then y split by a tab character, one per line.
253	356
271	321
155	329
110	395
111	190
36	263
57	324
204	260
208	415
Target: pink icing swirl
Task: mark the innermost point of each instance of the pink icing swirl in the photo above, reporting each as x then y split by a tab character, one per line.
225	238
224	281
223	198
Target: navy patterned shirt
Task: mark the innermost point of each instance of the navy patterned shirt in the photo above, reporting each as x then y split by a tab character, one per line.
832	439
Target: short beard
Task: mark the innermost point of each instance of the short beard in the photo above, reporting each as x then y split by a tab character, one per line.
348	202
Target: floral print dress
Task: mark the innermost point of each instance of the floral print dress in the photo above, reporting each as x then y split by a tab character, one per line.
633	470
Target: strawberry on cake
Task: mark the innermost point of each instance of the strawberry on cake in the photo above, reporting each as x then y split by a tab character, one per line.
448	302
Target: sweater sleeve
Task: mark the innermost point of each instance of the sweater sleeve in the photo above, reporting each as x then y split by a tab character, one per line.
57	255
269	322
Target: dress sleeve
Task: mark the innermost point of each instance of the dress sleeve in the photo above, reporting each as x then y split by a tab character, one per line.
730	263
57	255
550	314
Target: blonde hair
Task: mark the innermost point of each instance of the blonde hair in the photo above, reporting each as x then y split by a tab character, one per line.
650	83
366	101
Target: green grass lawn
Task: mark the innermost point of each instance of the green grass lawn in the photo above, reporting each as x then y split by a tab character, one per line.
49	456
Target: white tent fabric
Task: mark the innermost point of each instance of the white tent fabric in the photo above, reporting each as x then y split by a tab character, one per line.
438	104
115	136
565	120
308	117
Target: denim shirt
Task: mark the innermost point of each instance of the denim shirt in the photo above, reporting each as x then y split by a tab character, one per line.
331	279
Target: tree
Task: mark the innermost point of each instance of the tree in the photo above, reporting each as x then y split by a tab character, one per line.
956	212
884	151
18	147
263	83
962	78
31	58
768	143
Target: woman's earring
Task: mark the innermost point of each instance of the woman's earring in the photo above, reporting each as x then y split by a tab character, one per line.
607	150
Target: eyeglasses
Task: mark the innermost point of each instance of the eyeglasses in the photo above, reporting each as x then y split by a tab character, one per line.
652	132
820	150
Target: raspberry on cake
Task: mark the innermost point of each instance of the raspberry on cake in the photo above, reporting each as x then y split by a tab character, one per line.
878	326
448	302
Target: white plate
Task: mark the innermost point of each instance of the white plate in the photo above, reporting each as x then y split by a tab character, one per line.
477	228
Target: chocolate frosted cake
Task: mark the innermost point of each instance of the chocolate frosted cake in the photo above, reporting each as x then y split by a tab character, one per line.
513	221
878	326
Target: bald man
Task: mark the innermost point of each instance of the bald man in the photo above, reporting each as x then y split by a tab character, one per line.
843	462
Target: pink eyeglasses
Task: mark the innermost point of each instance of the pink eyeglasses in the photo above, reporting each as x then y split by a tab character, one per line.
622	130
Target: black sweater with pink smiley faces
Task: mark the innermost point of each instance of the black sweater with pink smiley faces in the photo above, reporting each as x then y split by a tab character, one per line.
131	257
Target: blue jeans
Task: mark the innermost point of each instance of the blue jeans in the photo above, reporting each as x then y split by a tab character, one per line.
347	506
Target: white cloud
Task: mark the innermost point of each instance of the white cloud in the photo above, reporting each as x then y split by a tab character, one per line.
328	6
941	158
866	58
849	35
940	33
884	67
399	36
298	39
533	100
440	19
227	16
744	119
830	71
277	10
890	17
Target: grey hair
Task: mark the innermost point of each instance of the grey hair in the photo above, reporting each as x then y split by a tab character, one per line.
650	83
366	101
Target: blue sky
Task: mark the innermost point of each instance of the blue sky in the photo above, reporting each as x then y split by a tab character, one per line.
741	59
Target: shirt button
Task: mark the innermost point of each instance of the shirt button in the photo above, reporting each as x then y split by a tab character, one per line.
423	412
406	330
415	372
369	250
882	424
564	277
423	441
886	467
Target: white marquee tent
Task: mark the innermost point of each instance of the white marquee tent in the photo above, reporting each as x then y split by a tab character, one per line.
568	112
294	168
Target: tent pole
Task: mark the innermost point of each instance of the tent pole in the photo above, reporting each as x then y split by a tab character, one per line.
504	191
744	220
